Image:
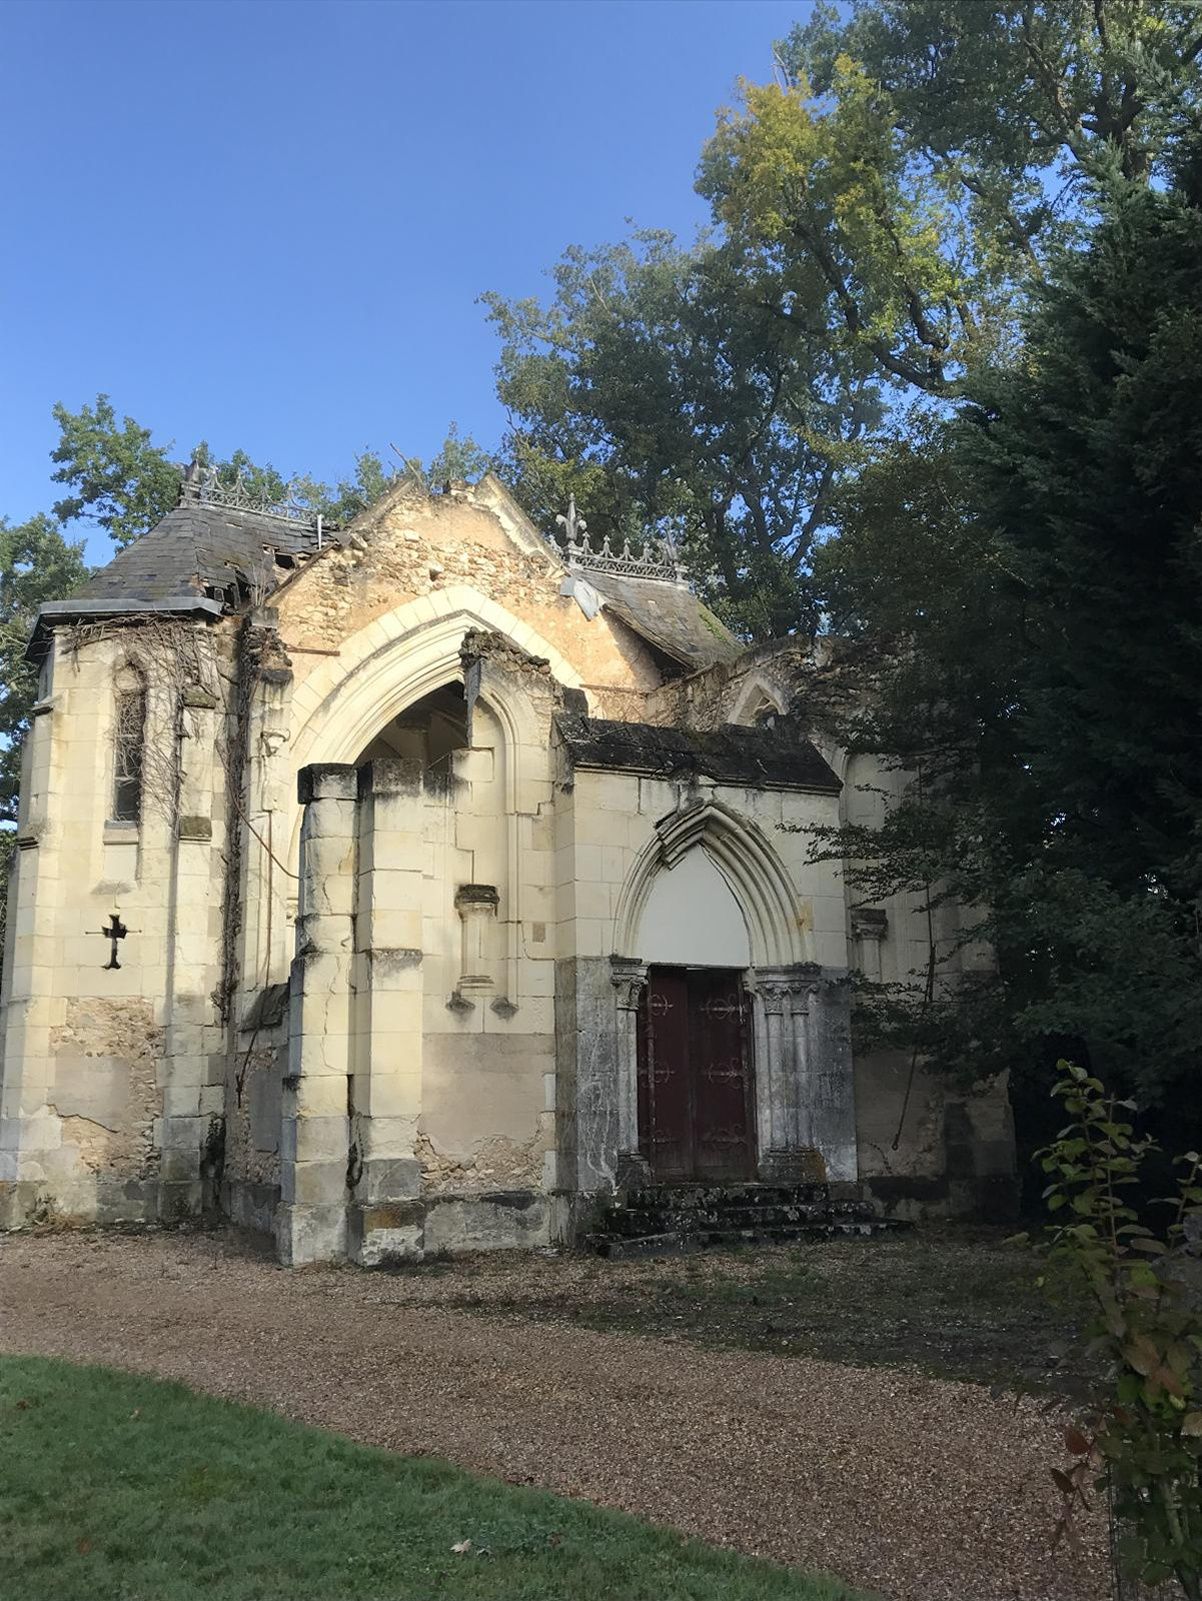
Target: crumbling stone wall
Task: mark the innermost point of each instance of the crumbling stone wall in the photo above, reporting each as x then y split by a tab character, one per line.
106	1084
725	692
252	1120
495	1163
415	547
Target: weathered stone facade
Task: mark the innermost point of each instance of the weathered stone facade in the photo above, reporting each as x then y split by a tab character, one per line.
419	806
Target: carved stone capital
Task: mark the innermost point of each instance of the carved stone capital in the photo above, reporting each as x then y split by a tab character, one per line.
629	978
782	989
773	998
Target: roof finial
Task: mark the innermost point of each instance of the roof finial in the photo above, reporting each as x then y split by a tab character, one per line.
574	527
655	557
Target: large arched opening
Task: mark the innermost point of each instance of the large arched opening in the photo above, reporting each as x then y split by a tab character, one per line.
428	730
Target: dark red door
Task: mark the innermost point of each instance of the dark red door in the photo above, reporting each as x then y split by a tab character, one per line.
695	1112
665	1091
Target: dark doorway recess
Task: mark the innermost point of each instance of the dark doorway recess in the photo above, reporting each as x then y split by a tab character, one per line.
696	1115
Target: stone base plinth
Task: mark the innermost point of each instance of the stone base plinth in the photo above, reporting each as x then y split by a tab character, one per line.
434	1225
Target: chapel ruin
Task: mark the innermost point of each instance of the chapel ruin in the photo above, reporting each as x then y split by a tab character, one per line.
431	885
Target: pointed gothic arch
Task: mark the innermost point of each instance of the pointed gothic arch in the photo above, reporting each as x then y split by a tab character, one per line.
758	698
394	661
747	861
332	715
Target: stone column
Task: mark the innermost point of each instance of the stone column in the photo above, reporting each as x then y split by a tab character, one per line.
387	1061
263	945
629	980
477	906
798	1005
869	927
776	1076
804	1091
762	1068
831	1078
315	1134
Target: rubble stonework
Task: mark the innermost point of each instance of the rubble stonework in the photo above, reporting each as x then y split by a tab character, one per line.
424	804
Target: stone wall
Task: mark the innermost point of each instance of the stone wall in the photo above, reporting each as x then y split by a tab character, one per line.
764	678
954	1150
106	1090
428	545
111	1072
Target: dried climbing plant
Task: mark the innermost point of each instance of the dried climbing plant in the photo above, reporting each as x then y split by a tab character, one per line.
176	665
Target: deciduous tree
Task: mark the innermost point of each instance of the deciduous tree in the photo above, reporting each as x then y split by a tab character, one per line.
659	390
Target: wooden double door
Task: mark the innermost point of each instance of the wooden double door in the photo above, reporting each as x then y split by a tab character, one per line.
696	1104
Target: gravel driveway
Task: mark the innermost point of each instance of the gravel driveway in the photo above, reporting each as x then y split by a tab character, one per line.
919	1489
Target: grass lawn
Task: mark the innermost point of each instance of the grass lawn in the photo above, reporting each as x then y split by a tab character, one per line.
117	1488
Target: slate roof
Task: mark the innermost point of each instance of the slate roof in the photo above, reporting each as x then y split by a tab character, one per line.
667	615
772	758
198	549
203	549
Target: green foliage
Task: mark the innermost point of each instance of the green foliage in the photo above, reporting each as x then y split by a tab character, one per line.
880	219
339	503
1013	90
840	227
925	155
36	564
261	482
459	459
114	1486
1019	590
126	483
658	389
119	477
1140	1435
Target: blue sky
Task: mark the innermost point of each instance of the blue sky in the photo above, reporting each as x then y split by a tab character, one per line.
267	224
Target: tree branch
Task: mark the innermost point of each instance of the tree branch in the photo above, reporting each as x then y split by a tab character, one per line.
932	379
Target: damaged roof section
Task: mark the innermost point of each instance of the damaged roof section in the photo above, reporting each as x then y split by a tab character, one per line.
230	554
204	549
755	757
668	616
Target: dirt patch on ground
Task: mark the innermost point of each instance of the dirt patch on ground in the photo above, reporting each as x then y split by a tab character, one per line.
921	1489
952	1303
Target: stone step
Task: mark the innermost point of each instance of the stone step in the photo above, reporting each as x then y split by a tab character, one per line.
637	1220
682	1196
680	1242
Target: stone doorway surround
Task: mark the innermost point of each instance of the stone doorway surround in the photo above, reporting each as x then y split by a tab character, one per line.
800	1024
800	1050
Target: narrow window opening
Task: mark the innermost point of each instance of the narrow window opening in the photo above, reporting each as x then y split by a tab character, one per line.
128	741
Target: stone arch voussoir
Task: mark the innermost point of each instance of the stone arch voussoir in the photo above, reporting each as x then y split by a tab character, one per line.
394	661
